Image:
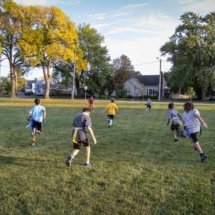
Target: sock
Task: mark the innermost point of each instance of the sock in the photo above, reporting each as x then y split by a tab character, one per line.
33	138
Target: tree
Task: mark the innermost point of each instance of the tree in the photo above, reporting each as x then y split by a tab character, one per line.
191	50
11	31
50	37
99	76
90	47
190	92
123	69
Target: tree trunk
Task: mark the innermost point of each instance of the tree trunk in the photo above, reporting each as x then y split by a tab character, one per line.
47	81
203	94
13	81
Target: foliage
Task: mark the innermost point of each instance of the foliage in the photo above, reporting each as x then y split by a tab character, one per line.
11	31
50	36
190	92
191	50
5	86
123	69
132	172
96	56
98	77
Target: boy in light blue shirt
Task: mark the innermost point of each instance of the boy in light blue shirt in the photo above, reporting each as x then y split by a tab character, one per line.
37	115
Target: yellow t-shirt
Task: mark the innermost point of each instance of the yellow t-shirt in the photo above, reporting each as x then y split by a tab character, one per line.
112	108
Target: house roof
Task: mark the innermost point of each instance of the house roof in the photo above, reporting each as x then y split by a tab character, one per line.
148	80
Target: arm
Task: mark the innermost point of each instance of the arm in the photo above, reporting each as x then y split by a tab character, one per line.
202	121
44	115
92	134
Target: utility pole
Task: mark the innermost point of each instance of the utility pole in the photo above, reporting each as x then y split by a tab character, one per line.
159	85
74	70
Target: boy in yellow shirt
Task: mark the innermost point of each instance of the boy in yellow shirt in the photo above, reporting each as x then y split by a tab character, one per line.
111	111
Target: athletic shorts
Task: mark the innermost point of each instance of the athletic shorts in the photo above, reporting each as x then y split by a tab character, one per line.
110	116
194	137
81	139
37	125
148	106
174	127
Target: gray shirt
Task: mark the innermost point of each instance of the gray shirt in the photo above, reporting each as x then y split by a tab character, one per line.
174	116
81	121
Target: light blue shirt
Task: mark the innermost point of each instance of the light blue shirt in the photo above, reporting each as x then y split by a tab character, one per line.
37	113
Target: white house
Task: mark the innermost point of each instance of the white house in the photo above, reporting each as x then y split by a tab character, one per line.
147	85
38	87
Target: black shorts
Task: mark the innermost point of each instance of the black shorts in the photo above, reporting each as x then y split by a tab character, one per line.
194	137
81	138
174	127
110	116
37	125
148	106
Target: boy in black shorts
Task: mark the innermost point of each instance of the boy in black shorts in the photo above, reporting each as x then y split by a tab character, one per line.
81	123
174	118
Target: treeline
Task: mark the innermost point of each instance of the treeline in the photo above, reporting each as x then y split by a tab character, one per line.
45	38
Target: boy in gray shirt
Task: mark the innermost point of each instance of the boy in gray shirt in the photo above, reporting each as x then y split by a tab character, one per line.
81	123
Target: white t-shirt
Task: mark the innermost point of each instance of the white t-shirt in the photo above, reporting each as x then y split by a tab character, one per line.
191	121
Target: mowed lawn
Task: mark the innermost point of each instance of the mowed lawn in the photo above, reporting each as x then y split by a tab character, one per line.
137	169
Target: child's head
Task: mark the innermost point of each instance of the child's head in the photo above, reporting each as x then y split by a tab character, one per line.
37	101
112	100
188	106
171	105
86	110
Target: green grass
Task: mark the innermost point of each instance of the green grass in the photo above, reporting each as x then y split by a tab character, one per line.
137	169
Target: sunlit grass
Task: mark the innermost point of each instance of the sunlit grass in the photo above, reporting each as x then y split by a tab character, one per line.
137	169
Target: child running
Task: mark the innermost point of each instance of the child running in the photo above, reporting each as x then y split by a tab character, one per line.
148	105
174	118
192	121
91	104
111	111
37	115
81	122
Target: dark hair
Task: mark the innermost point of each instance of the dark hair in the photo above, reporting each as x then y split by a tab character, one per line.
188	106
86	109
171	105
37	101
112	100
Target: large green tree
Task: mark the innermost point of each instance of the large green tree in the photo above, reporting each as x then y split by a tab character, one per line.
96	53
98	77
191	49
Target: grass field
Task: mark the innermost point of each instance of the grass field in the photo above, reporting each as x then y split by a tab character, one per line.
137	169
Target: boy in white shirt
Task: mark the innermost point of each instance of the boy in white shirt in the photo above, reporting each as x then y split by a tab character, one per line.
192	122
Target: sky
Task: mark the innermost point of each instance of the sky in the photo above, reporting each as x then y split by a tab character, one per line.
135	28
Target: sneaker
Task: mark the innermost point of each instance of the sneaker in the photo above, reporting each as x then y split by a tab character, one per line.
33	144
87	164
176	140
203	157
69	161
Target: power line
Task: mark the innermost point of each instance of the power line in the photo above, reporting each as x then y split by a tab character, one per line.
151	62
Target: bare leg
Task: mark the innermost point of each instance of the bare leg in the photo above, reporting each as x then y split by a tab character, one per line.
87	154
75	152
198	147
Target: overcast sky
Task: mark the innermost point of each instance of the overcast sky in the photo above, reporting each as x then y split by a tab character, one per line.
136	28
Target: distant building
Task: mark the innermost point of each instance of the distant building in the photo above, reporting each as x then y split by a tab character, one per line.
147	85
38	87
